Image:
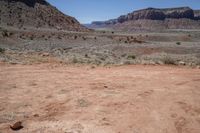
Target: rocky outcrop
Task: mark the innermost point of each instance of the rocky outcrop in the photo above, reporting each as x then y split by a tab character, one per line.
197	14
177	13
36	14
149	13
30	3
154	14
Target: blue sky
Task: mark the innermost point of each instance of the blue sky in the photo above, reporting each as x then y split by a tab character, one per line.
86	11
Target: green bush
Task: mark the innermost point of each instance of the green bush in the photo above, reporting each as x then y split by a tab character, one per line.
131	57
178	43
2	50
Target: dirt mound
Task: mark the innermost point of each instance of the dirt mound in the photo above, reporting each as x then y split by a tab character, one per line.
36	14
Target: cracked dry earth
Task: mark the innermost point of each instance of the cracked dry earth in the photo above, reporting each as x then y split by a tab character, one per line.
56	98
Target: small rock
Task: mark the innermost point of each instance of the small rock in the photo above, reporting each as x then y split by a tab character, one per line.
182	63
36	115
45	54
16	126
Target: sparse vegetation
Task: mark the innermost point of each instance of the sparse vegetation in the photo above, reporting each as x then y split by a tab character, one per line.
168	60
2	50
75	37
59	37
86	56
31	37
83	76
74	60
178	43
123	55
5	33
84	38
132	57
128	39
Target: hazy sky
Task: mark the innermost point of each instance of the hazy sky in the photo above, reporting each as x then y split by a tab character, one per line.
86	11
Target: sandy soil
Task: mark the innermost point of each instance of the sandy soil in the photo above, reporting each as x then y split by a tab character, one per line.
54	98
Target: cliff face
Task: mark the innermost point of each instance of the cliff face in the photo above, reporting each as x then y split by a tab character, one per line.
154	14
197	14
36	14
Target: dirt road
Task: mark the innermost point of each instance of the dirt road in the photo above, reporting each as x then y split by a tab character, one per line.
55	98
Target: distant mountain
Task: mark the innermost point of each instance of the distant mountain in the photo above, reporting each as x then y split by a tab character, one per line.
154	18
36	14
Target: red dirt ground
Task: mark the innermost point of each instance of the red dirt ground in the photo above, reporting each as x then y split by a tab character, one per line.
54	98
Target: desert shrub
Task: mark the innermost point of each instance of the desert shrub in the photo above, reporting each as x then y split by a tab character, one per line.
128	39
2	50
198	62
31	38
59	37
74	60
126	62
83	38
102	58
178	43
5	33
112	32
95	38
75	37
125	41
97	62
86	56
168	60
123	55
132	57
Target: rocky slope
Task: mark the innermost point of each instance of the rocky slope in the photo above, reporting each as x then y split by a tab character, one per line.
35	14
182	17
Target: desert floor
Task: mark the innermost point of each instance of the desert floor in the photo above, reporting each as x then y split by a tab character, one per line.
61	98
